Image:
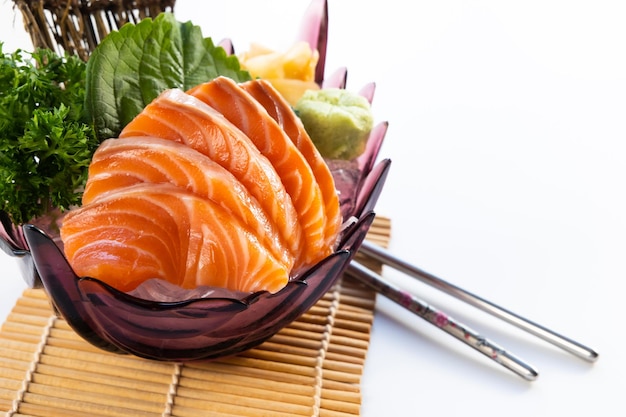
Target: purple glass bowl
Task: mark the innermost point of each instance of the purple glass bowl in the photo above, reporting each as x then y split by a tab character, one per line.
197	328
206	327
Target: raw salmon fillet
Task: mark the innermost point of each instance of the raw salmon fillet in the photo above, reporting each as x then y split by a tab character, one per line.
177	116
280	110
242	110
118	164
220	186
161	231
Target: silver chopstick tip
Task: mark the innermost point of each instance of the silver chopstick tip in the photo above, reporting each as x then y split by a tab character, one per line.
592	355
531	375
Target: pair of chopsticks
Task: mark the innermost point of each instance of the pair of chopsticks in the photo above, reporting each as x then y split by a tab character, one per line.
453	327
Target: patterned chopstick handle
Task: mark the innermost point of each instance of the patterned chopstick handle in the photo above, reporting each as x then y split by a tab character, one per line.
442	321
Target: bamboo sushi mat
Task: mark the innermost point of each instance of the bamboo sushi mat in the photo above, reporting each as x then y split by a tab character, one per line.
313	367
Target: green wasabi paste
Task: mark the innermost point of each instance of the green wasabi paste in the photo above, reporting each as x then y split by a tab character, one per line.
338	121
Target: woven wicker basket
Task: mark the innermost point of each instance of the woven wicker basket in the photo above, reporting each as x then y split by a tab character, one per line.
77	26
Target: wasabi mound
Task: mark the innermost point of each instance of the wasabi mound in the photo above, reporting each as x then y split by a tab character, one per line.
338	121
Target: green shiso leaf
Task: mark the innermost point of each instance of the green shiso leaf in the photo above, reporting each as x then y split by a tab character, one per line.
132	66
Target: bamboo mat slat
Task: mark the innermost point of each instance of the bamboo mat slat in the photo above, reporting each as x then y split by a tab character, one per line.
312	367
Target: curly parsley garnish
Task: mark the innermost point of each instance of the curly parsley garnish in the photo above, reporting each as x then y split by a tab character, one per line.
45	144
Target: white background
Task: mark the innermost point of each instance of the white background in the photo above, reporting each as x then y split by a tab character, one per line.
507	129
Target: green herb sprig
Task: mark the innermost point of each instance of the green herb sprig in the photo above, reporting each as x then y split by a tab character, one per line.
132	66
45	144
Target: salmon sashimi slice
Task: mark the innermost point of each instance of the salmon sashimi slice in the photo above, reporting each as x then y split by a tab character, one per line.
118	164
96	241
162	231
175	115
241	109
280	110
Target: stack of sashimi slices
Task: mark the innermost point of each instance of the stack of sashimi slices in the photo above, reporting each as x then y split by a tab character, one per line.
218	186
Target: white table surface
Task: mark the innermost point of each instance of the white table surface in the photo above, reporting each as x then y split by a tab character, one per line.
507	136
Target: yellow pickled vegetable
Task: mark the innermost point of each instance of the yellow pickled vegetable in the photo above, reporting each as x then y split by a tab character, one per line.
291	72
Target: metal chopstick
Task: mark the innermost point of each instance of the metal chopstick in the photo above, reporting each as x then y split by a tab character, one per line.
442	321
565	343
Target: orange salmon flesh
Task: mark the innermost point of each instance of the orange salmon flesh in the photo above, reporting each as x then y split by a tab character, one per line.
218	186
